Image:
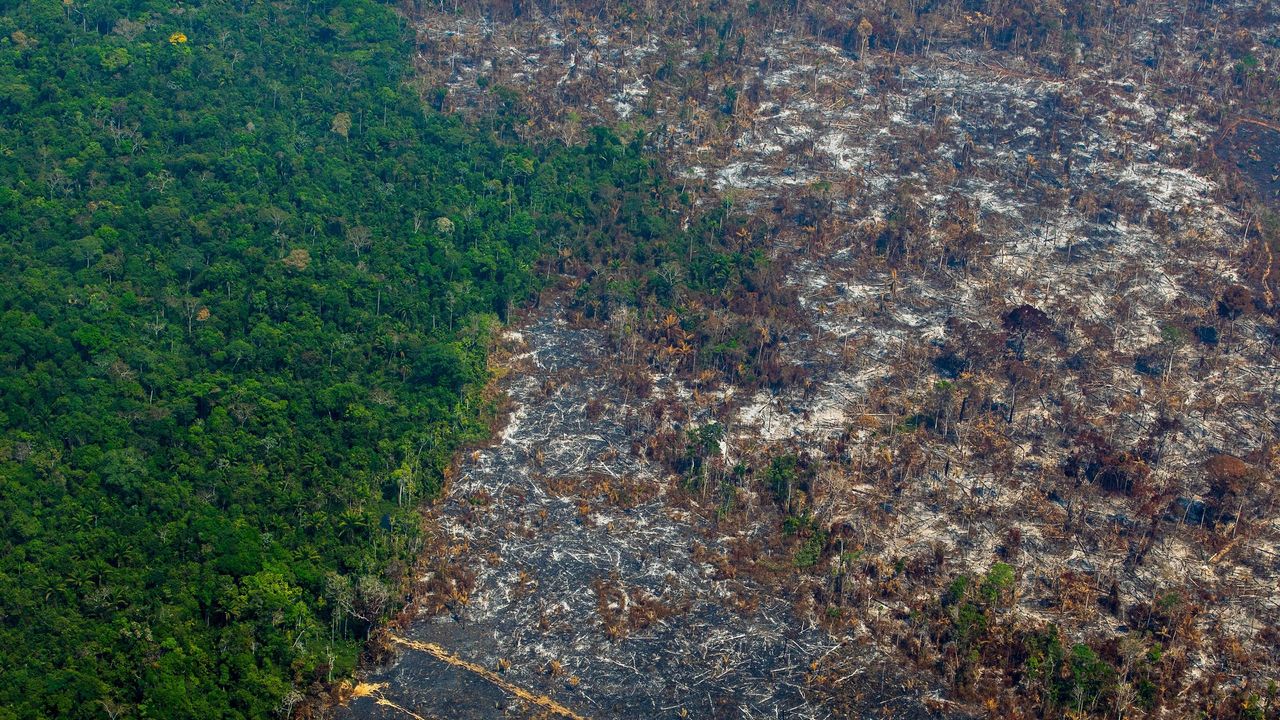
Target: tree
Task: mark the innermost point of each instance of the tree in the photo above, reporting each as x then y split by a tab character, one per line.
341	124
370	600
159	182
864	37
359	238
297	260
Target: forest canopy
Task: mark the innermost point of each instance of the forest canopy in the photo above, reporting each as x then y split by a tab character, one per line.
250	284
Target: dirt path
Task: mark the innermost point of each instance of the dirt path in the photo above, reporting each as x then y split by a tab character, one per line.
511	689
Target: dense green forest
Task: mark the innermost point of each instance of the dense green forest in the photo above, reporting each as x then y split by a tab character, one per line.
249	284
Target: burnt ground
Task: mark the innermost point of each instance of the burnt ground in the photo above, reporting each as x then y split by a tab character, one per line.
592	590
915	202
1254	148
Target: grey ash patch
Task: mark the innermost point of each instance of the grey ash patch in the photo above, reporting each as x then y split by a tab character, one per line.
605	607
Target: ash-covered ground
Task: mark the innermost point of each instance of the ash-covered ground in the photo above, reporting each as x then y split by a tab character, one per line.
590	588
